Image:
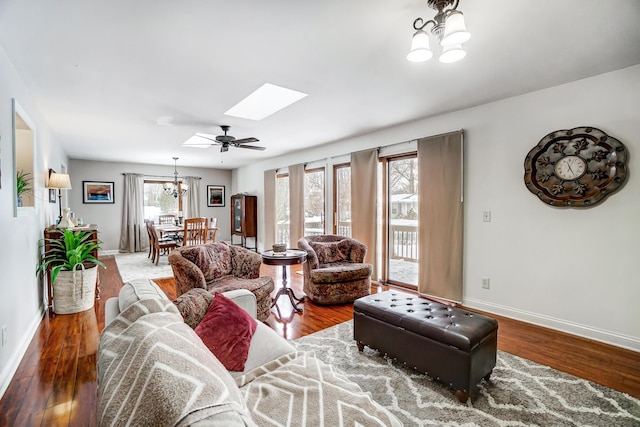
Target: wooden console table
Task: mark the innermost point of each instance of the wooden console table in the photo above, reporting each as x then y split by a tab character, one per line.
56	233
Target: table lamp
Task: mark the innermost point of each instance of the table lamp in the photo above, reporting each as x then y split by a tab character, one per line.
59	181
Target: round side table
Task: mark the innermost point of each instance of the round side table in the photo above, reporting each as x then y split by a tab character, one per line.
288	258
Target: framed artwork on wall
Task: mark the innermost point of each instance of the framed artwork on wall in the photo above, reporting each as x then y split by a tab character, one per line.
52	191
97	192
215	196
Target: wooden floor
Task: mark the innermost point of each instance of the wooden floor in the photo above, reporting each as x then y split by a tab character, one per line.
55	384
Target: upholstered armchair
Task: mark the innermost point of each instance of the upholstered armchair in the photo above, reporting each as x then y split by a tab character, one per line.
335	271
219	267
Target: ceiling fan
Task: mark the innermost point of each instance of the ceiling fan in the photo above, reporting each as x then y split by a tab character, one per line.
225	141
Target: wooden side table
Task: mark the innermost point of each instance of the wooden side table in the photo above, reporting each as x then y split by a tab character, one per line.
288	258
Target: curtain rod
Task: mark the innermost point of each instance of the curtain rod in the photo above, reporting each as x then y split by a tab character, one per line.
160	176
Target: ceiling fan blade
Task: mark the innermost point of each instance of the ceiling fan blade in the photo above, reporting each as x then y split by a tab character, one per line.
245	140
251	147
205	136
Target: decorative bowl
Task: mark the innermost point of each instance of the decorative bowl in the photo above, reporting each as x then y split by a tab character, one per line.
279	247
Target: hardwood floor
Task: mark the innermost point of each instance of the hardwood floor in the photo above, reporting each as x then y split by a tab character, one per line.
55	384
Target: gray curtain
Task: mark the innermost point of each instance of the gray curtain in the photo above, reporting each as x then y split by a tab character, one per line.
440	211
296	204
270	208
133	234
364	180
191	202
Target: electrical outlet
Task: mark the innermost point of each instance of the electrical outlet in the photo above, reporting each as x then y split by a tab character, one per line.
486	216
4	335
485	283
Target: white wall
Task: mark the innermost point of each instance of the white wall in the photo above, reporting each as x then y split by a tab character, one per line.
21	293
108	216
575	270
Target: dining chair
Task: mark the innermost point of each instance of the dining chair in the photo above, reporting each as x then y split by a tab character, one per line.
195	231
213	229
166	219
148	222
161	245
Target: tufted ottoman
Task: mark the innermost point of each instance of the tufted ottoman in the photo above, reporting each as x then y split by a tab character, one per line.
455	346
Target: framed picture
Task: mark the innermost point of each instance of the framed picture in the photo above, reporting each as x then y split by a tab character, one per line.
52	191
97	192
215	195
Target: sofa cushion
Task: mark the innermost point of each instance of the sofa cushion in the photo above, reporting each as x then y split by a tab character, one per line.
329	252
227	330
136	290
213	260
340	272
193	305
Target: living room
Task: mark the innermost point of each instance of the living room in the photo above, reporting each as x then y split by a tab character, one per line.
574	270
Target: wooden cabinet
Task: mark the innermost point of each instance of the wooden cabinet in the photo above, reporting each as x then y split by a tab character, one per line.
55	233
244	220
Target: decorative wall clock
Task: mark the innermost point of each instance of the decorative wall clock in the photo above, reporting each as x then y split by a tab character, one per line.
576	168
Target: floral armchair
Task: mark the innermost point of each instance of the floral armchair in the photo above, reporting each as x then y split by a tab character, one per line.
219	267
335	271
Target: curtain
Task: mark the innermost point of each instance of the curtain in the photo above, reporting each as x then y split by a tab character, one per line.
191	202
269	208
364	180
440	210
296	204
133	234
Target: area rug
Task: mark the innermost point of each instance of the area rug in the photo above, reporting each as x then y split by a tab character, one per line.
520	392
139	266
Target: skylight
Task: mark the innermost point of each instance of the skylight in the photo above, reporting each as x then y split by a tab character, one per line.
265	101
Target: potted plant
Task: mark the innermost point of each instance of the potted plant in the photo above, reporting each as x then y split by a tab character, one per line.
22	185
74	270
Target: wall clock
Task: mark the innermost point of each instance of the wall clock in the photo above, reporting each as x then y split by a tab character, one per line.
577	167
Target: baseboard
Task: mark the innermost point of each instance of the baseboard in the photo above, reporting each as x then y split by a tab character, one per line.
10	369
613	338
110	252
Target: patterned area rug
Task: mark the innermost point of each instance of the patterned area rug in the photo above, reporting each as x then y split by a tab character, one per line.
139	266
520	392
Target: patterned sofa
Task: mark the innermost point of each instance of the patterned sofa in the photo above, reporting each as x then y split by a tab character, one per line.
335	271
219	267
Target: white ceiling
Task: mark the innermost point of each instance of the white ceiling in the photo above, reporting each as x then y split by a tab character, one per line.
103	72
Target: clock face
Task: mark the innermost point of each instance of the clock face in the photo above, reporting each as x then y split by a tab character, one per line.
576	167
570	168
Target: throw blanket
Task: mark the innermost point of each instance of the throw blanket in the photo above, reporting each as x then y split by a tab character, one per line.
299	390
153	370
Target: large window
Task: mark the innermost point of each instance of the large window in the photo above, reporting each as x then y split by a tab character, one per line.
342	200
156	202
282	208
314	202
402	208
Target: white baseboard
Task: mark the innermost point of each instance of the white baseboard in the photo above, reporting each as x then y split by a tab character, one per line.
10	369
584	331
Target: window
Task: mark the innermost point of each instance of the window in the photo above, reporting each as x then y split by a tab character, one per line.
342	199
156	202
402	202
282	208
314	202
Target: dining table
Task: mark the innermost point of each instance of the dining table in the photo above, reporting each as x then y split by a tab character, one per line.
175	231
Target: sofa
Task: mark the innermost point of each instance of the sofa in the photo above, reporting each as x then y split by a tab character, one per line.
335	271
153	369
220	267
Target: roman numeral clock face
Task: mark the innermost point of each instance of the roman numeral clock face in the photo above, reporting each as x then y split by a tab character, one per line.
576	167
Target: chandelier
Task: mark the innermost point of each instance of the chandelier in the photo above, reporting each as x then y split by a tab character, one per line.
448	27
174	188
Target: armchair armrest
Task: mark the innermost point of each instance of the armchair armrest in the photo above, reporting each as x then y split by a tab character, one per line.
312	257
245	263
358	251
187	275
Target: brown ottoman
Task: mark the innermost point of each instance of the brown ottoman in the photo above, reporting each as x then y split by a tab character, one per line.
452	345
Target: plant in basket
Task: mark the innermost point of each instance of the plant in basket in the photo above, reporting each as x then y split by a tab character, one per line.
74	270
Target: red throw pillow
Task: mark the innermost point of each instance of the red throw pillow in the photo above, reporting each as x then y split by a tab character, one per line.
227	330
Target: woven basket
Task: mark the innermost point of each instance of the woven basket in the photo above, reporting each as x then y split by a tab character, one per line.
75	291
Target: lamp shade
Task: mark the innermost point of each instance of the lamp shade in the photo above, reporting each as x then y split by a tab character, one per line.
455	32
60	181
453	53
420	51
